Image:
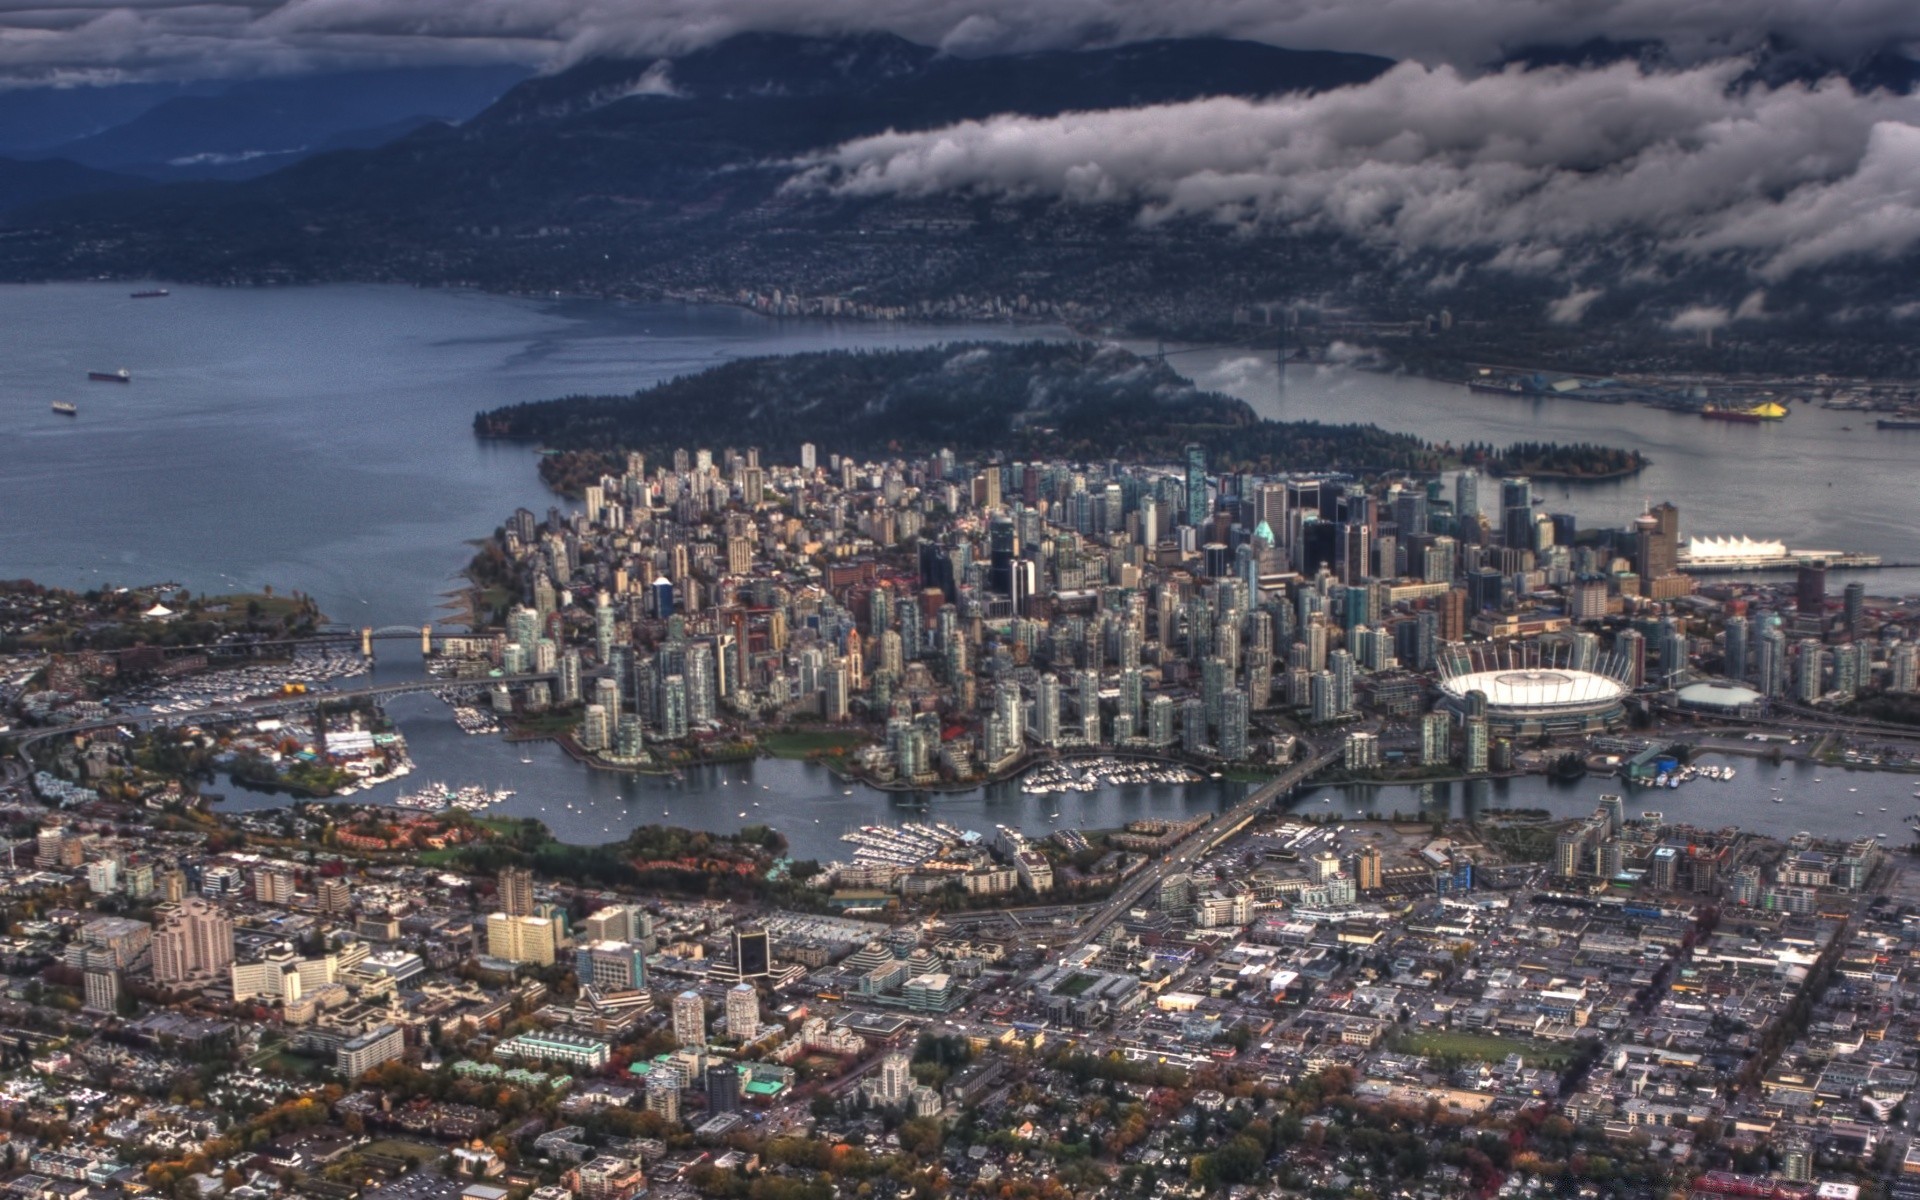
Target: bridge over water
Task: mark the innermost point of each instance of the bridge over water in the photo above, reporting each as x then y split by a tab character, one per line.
366	636
267	706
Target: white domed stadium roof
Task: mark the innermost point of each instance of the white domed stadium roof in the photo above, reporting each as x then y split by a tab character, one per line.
1717	694
1537	688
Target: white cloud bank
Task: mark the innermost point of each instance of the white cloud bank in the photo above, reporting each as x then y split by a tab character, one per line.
1519	168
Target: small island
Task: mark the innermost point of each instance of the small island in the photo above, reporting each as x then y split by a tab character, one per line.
1583	462
1071	400
1074	400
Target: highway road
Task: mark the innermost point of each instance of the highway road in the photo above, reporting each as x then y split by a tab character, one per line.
1202	843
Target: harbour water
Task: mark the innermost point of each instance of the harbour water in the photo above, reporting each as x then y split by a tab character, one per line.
320	439
1827	801
802	800
1817	480
317	438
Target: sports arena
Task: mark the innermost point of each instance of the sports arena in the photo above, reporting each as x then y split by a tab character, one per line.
1527	689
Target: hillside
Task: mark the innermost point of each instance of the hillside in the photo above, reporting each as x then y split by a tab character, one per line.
39	182
699	178
647	178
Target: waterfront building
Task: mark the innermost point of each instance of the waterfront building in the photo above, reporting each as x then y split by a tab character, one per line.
1233	725
1046	711
1630	647
1361	751
1809	679
1320	706
673	708
1436	739
1734	654
1476	755
1771	665
1193	725
1903	668
594	733
1851	665
1340	667
1673	653
1160	721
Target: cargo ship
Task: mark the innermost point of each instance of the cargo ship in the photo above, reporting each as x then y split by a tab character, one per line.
151	294
1897	423
121	376
1744	416
66	408
1498	387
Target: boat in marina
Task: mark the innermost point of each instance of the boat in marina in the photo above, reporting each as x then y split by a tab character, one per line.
436	797
1087	775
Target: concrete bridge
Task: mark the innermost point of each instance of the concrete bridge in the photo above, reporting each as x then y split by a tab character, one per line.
366	635
267	706
1203	842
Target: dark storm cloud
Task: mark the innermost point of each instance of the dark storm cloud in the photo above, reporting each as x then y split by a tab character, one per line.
152	38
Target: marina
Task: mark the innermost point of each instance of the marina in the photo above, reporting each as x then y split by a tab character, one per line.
910	844
1687	774
310	666
1089	774
436	797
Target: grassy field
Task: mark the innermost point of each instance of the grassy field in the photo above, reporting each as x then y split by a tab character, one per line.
414	1152
293	1063
799	743
1482	1047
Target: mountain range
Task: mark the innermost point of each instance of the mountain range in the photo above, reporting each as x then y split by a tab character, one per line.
237	129
766	168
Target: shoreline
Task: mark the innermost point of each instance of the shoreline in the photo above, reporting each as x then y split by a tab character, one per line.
700	299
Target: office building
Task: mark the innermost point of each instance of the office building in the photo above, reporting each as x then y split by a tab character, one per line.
1810	678
611	966
723	1088
522	939
690	1019
1436	740
193	943
103	989
752	955
1197	507
743	1012
516	891
1810	593
575	1051
895	1080
1733	655
361	1054
333	896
